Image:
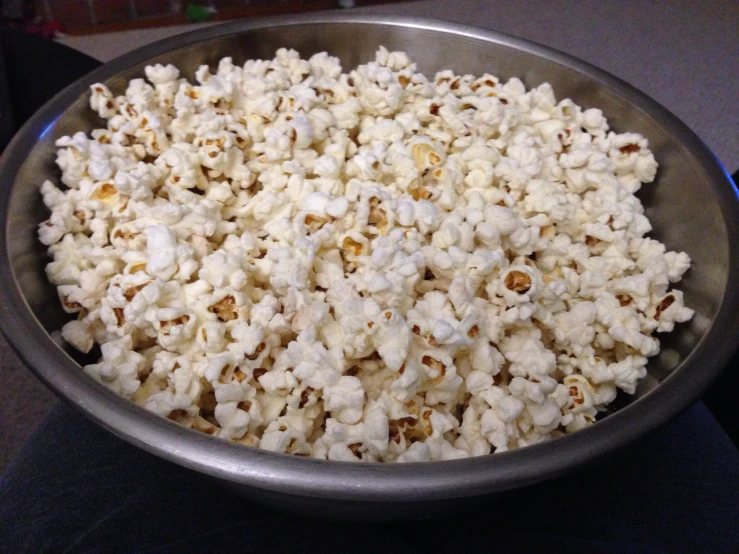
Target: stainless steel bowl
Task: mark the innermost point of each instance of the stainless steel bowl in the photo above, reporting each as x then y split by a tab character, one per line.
693	207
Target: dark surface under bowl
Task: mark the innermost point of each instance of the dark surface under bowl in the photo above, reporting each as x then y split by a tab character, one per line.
692	206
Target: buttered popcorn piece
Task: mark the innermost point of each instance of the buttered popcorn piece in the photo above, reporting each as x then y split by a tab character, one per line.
342	265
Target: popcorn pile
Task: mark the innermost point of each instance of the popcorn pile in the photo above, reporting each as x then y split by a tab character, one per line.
358	266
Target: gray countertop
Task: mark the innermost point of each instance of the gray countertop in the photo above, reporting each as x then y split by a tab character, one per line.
683	53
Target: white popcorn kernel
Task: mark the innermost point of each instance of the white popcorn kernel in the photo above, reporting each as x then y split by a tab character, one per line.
233	421
302	131
316	203
101	101
408	383
519	284
574	327
159	74
478	381
546	416
78	335
580	395
341	453
417	452
470	435
440	449
346	398
678	263
52	195
287	441
627	372
496	431
278	382
211	337
313	364
391	337
337	207
376	429
671	310
119	367
161	246
509	408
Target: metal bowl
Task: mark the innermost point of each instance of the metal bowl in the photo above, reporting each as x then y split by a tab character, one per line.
693	207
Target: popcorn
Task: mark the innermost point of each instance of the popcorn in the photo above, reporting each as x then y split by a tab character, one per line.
670	310
312	363
417	452
236	410
575	327
391	338
346	398
161	251
341	265
497	432
78	335
119	368
101	101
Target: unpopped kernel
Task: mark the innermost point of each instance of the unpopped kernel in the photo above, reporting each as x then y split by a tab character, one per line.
361	266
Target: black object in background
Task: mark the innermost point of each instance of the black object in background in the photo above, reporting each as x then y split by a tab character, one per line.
13	9
7	124
37	68
722	397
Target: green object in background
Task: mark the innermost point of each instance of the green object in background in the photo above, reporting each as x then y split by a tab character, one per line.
196	14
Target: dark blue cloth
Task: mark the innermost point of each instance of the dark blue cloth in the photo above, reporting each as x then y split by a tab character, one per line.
77	488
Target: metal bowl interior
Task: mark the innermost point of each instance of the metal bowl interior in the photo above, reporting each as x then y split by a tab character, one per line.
692	206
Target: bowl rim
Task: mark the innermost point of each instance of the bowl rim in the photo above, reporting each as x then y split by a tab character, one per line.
280	473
